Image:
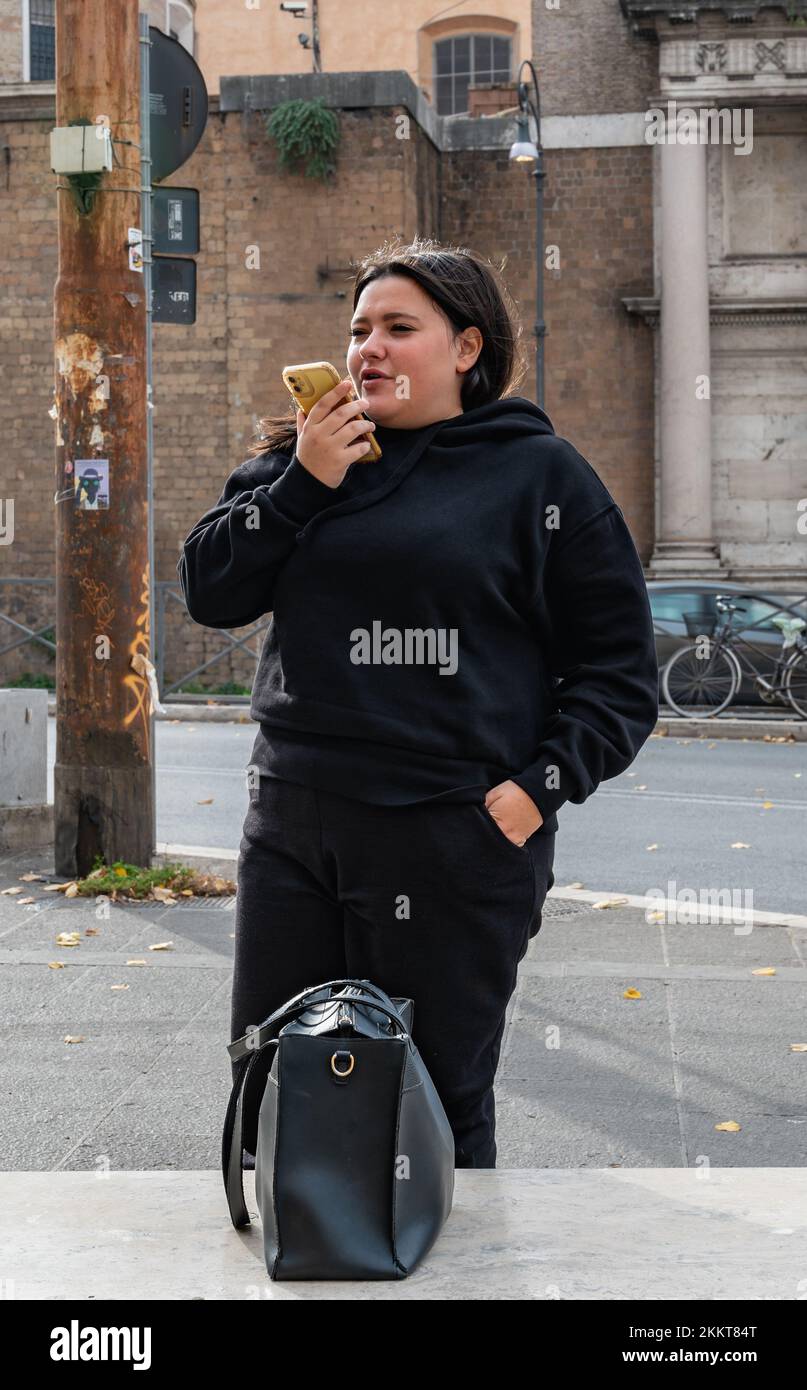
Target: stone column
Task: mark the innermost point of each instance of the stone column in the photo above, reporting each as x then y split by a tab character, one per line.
685	544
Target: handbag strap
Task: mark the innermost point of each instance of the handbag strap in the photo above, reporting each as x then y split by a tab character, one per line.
232	1153
258	1037
232	1149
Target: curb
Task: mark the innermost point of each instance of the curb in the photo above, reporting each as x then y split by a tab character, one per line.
769	730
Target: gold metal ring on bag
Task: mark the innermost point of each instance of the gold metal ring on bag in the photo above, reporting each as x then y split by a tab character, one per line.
342	1073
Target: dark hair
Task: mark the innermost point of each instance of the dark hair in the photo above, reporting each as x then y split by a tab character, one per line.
469	291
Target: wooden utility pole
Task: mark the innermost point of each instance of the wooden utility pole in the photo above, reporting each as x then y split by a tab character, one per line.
104	723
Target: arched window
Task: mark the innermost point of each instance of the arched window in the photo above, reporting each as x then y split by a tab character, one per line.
463	59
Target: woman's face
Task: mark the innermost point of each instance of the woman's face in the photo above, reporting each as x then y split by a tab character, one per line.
398	330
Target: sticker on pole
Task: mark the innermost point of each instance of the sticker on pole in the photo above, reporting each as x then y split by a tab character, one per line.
136	249
91	483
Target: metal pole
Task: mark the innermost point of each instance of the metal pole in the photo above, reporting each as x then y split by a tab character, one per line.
540	326
103	780
526	106
146	225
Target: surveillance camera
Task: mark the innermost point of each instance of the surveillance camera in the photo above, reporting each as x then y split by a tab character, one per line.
295	7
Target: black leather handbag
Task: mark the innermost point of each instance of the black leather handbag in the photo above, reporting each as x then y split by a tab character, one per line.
354	1155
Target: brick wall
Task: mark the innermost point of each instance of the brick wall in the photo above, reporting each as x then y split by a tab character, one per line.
588	61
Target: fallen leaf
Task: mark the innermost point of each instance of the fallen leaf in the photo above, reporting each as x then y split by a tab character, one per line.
640	787
70	1039
68	938
10	890
798	1047
54	887
186	892
71	891
207	802
32	878
656	916
120	871
135	962
632	994
651	846
92	931
162	946
764	970
163	895
118	986
610	902
575	885
766	805
729	1125
56	965
740	844
26	900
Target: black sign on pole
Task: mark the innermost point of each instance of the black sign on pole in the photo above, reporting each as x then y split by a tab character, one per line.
173	290
177	119
175	225
178	104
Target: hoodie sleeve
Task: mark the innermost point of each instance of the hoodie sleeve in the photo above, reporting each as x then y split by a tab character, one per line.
232	556
595	608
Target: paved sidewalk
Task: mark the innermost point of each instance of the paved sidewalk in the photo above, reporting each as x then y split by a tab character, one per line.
590	1085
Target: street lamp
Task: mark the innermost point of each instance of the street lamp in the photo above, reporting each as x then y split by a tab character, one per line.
524	151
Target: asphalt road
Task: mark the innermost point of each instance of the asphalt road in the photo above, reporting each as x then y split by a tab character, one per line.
693	799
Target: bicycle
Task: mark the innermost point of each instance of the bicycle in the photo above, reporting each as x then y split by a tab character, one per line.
699	683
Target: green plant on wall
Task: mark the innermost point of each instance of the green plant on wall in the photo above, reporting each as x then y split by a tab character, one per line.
305	130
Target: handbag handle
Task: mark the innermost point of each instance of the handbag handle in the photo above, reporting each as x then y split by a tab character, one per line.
253	1041
294	1006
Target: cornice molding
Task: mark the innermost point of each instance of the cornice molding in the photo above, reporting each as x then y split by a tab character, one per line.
650	18
756	311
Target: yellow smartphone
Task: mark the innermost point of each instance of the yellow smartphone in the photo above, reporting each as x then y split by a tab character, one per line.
308	382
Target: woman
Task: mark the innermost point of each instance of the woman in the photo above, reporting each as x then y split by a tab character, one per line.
461	642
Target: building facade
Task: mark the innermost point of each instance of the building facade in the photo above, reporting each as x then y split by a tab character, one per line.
675	274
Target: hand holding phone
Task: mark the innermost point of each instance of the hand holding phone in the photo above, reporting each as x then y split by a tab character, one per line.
332	430
332	435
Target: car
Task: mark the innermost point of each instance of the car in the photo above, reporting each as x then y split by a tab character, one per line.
670	599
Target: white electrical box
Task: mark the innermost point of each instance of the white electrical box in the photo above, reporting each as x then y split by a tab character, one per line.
80	149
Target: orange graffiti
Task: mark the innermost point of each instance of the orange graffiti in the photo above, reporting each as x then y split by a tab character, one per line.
97	601
137	685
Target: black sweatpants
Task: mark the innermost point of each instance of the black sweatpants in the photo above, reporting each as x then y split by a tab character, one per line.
431	901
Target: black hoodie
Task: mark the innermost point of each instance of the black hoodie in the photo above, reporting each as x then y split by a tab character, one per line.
473	610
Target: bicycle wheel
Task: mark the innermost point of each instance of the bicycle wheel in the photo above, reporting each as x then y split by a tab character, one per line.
794	681
700	687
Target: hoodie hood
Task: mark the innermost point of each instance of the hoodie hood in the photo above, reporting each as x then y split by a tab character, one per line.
490	427
510	417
